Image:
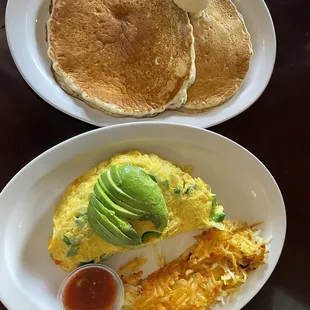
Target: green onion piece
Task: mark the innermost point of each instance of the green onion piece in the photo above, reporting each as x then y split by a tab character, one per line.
213	199
166	184
218	217
80	222
72	250
66	240
177	191
189	189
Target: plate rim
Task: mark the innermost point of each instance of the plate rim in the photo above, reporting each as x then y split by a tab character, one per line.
9	25
7	301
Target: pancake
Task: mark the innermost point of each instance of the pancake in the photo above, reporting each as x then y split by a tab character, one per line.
128	58
223	51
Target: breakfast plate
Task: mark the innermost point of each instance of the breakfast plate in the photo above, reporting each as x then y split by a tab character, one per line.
243	185
26	33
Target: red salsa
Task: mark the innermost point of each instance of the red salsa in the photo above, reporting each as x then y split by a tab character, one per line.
90	288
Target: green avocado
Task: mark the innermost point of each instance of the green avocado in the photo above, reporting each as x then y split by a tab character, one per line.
109	231
132	186
109	204
123	226
121	193
141	214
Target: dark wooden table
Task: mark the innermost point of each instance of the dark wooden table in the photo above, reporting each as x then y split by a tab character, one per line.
276	129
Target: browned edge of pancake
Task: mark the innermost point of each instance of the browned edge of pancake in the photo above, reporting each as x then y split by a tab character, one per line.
200	104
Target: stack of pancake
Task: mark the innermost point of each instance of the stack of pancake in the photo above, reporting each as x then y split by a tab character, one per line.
140	57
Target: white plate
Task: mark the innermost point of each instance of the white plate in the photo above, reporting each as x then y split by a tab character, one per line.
25	26
243	185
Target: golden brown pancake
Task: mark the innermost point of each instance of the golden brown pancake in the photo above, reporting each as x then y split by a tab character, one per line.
223	51
124	57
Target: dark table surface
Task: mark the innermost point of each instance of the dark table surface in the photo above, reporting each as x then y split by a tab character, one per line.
276	129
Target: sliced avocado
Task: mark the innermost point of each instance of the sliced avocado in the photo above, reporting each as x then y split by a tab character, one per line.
105	226
123	226
109	204
153	177
142	214
116	191
149	234
134	187
126	192
104	233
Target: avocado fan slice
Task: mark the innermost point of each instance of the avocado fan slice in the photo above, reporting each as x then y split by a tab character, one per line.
103	232
124	227
149	234
142	214
108	231
134	187
116	191
109	204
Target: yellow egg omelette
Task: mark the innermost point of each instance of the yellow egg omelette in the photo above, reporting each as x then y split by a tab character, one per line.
189	201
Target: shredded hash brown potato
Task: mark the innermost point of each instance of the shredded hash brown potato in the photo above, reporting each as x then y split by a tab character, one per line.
215	266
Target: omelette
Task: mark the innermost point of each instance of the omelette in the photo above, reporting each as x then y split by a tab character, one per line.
88	228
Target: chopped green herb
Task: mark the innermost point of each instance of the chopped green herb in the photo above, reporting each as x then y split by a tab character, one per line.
177	191
213	199
189	189
166	184
69	241
66	240
82	214
153	177
72	250
86	263
51	255
80	222
218	216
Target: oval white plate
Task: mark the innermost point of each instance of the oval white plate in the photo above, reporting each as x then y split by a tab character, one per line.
242	184
25	26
